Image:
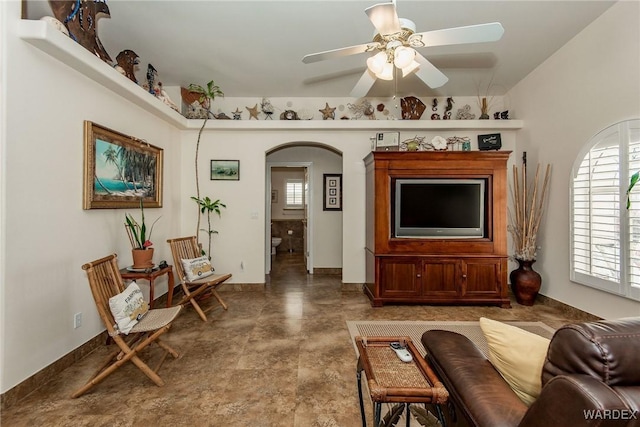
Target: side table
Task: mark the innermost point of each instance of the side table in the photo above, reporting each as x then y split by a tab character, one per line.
150	276
392	381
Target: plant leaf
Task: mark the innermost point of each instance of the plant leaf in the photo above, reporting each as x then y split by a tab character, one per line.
393	416
632	182
424	417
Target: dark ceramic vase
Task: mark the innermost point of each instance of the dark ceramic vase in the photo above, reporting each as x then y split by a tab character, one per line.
525	283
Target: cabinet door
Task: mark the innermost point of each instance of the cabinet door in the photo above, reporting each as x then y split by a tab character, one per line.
440	278
481	277
399	277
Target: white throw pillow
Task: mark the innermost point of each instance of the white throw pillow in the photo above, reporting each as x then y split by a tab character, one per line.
518	355
197	268
128	307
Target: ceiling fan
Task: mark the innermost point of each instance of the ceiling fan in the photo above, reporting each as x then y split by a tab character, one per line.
395	42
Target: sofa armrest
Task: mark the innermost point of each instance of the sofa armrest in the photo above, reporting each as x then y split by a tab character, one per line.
476	389
574	400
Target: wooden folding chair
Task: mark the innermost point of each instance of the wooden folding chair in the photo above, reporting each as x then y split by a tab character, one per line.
187	248
106	282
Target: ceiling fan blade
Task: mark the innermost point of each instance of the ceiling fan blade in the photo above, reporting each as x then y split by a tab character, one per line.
337	53
364	84
429	74
459	35
384	17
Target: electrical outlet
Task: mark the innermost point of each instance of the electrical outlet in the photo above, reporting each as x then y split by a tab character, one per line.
77	320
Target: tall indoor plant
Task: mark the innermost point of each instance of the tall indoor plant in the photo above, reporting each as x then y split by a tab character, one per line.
141	249
206	95
528	209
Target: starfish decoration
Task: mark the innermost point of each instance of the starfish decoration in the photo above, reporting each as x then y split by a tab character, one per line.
328	112
253	112
237	115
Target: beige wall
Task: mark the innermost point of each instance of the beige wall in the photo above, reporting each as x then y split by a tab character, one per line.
591	82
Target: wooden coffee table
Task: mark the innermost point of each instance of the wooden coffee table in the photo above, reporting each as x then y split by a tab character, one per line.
392	381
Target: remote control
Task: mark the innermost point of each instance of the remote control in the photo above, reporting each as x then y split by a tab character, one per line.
402	352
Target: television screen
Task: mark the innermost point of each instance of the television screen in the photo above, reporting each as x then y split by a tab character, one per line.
435	208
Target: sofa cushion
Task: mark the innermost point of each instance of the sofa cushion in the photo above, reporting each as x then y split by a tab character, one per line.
608	350
518	355
477	392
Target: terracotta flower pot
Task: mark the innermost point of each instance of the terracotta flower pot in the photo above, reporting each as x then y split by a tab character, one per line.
142	258
525	282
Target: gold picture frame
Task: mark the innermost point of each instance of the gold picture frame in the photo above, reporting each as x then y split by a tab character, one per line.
119	170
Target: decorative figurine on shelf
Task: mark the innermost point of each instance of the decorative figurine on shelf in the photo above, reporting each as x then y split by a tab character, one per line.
237	115
434	104
435	116
504	115
412	108
221	116
363	108
465	113
267	108
56	24
152	73
328	112
289	115
128	64
380	107
439	143
162	95
413	144
447	110
81	19
253	112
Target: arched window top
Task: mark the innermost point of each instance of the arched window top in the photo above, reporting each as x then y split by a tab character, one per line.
605	236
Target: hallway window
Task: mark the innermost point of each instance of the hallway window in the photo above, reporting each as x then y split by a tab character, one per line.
605	235
295	194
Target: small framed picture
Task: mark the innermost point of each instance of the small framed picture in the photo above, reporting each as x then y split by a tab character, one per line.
387	141
225	170
332	191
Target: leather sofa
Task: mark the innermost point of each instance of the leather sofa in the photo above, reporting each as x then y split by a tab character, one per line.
591	377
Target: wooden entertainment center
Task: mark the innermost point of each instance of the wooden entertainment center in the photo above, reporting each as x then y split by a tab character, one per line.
435	270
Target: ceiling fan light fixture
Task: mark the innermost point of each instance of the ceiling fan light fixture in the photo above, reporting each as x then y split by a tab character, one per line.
403	56
410	68
377	62
387	72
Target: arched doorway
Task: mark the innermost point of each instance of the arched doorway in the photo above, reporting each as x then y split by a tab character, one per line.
303	227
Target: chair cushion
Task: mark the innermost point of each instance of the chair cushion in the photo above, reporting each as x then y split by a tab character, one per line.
197	268
518	355
128	307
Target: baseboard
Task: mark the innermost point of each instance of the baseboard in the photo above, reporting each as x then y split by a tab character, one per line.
571	311
328	271
43	376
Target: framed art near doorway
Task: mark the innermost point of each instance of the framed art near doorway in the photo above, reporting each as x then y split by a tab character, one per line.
332	190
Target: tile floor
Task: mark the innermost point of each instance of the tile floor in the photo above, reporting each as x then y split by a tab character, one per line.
278	357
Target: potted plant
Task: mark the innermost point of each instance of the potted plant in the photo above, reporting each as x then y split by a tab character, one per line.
141	249
206	205
528	209
204	96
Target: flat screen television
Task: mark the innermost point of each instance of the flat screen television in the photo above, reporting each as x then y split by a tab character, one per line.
439	208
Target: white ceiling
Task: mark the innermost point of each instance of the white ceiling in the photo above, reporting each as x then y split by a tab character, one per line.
255	48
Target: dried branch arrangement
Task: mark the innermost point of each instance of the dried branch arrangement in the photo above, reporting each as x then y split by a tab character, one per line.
528	209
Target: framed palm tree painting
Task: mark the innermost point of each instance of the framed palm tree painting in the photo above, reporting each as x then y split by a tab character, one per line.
119	170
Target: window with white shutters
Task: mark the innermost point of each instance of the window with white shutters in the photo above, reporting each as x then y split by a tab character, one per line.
295	195
605	235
